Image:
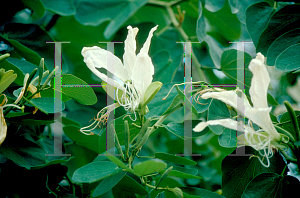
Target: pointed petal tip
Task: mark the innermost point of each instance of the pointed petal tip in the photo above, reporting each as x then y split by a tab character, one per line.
260	57
200	127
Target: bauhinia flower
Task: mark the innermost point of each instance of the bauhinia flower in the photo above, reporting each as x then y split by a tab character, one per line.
3	126
132	79
266	138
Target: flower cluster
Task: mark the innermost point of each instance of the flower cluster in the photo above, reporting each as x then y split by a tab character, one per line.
130	78
264	139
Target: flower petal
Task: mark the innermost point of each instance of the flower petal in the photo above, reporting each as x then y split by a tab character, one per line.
114	83
143	69
146	45
100	58
142	73
260	82
129	56
231	98
228	123
261	117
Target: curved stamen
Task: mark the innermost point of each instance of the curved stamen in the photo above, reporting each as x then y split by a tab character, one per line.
130	98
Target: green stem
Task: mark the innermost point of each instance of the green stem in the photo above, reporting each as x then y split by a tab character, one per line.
283	170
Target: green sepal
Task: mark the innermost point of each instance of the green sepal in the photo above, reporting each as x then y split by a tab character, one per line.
150	93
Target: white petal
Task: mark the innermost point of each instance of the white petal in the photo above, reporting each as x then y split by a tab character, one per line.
230	98
142	73
260	82
129	56
100	58
89	63
146	45
261	117
228	123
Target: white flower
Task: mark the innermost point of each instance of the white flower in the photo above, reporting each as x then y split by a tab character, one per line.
264	139
132	77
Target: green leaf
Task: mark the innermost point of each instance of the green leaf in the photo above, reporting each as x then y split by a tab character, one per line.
30	154
16	114
282	43
148	167
50	93
89	141
271	100
24	51
288	60
257	18
78	90
229	26
286	123
33	119
158	106
95	171
166	55
175	159
239	8
214	5
229	65
201	25
190	171
186	100
36	38
272	185
119	128
283	20
218	110
96	12
108	183
183	175
190	192
6	78
178	129
47	105
129	184
238	171
176	101
61	7
36	5
159	16
201	104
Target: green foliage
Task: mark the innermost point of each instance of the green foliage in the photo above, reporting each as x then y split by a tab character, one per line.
78	90
274	185
148	167
219	110
238	171
175	159
95	171
39	123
